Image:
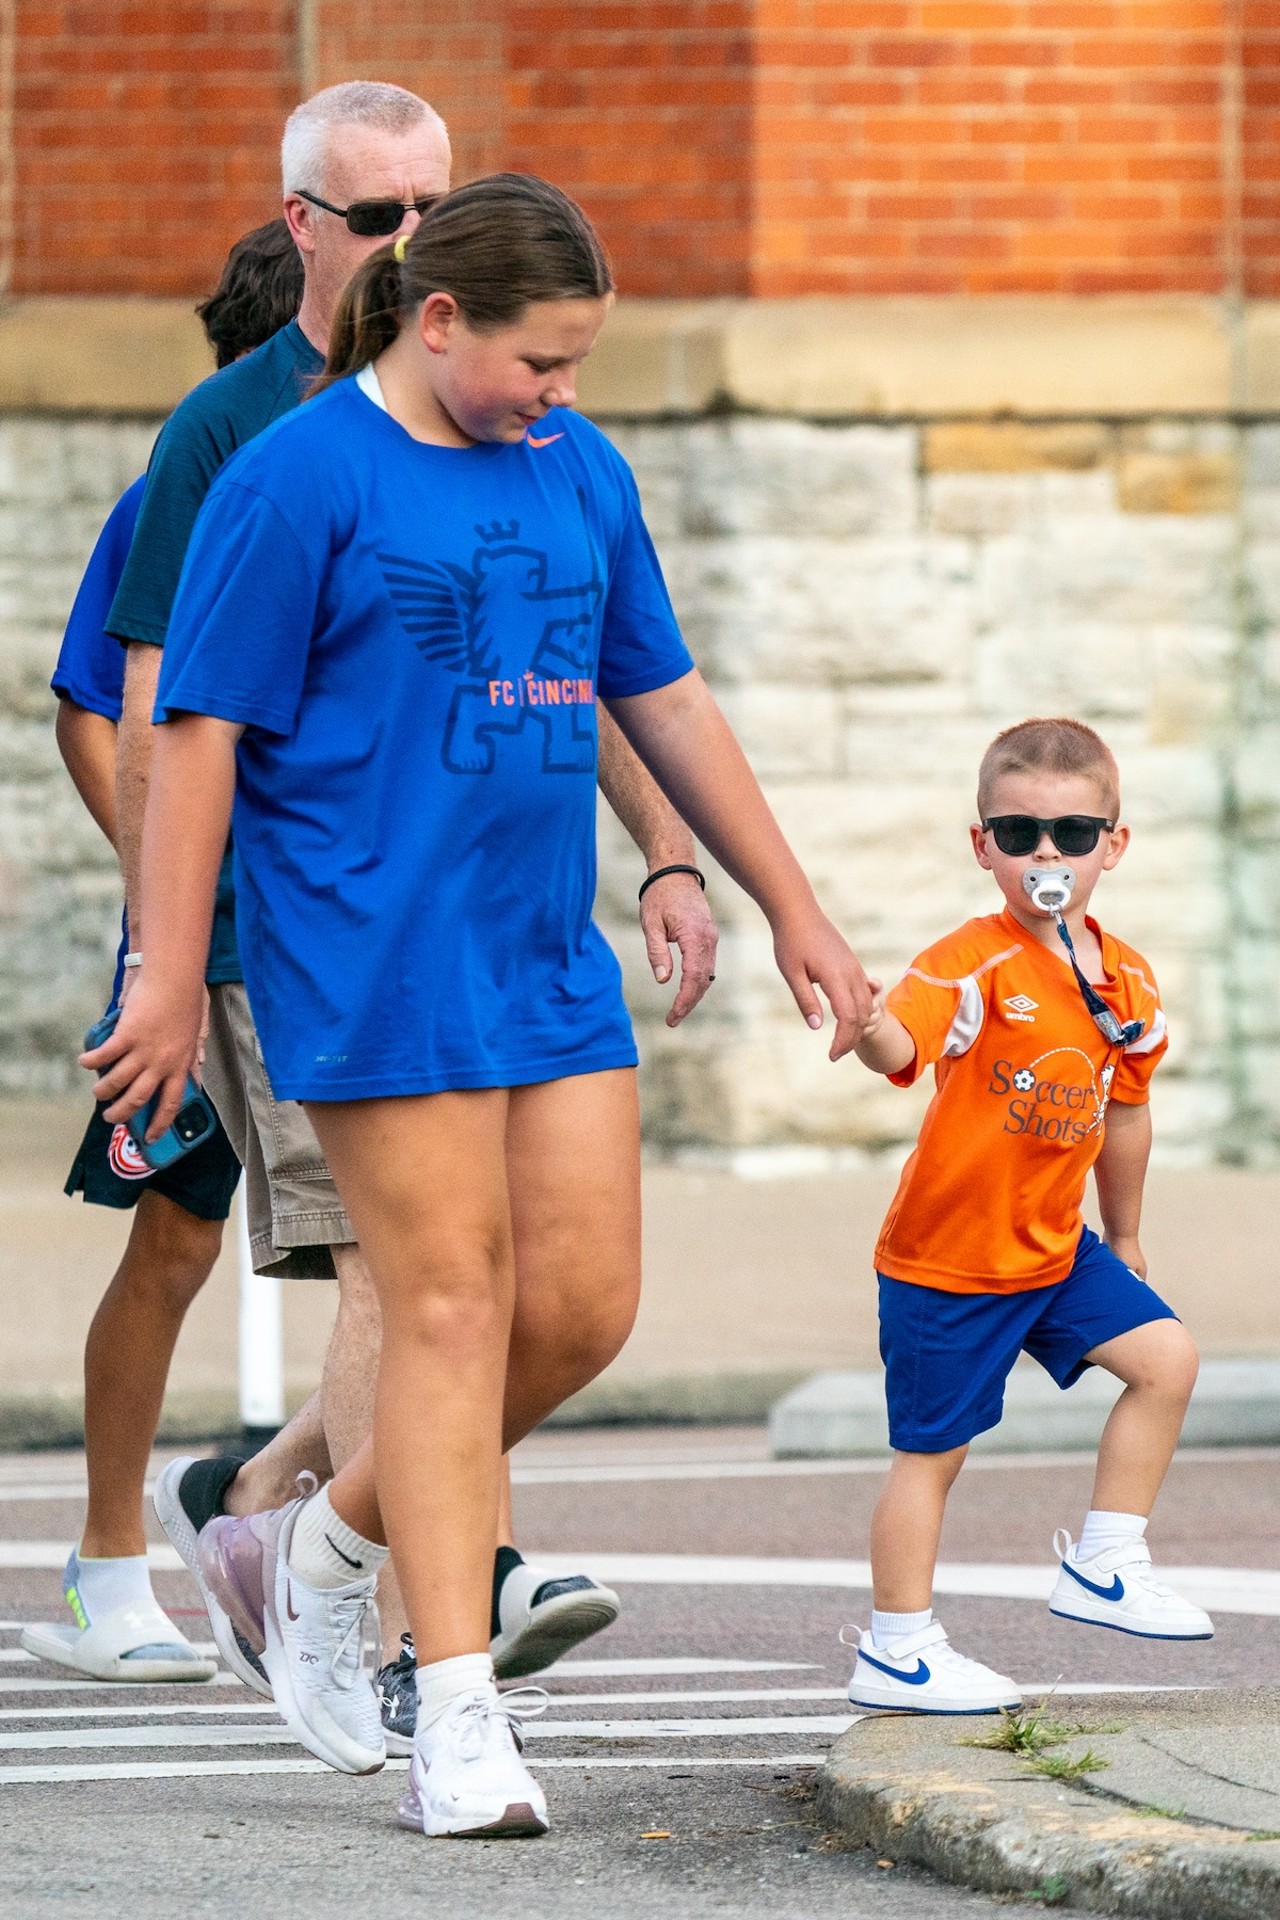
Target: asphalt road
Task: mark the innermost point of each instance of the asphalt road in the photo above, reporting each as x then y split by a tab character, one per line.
676	1750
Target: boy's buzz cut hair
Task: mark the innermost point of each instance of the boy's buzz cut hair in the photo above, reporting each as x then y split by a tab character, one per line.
1050	746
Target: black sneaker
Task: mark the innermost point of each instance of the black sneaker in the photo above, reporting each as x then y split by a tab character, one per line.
538	1616
397	1686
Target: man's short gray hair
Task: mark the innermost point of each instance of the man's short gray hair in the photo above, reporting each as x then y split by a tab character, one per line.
354	103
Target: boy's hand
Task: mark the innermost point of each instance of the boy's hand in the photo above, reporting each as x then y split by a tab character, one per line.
153	1048
875	1019
1126	1248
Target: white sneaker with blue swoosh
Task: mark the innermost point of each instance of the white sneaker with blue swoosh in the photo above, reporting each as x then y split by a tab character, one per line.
923	1673
1118	1589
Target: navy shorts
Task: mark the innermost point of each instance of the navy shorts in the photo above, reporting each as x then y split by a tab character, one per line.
948	1355
110	1172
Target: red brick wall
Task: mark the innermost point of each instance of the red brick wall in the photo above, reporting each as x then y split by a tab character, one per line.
990	145
643	108
1262	148
145	138
726	146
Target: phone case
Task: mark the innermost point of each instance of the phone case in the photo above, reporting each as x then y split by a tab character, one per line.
196	1118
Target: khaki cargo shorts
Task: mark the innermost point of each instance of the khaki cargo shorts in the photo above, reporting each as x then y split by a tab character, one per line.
295	1215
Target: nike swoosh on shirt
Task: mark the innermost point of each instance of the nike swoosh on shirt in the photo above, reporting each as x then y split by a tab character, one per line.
548	442
916	1679
1114	1592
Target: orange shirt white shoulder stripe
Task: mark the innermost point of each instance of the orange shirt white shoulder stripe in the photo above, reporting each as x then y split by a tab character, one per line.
990	1200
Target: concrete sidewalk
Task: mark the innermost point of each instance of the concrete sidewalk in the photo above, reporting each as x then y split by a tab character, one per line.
751	1284
1164	1805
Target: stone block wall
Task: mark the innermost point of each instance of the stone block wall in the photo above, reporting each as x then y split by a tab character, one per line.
59	889
871	602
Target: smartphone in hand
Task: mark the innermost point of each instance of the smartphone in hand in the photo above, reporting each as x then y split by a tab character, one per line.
193	1124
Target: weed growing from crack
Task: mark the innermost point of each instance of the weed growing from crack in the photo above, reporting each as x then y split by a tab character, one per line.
1061	1766
1030	1733
1050	1893
1019	1732
1154	1812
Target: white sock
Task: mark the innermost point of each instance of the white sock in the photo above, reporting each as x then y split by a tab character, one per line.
445	1681
325	1552
95	1588
1102	1530
895	1626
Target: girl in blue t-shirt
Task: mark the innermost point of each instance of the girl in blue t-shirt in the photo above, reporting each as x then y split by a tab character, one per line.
398	607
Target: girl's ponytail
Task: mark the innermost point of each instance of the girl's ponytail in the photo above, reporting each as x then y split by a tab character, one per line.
367	319
498	245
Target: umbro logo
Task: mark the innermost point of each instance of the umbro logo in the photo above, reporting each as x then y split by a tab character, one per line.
1021	1006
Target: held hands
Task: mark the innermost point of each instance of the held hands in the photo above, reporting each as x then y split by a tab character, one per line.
155	1045
811	953
875	1019
674	912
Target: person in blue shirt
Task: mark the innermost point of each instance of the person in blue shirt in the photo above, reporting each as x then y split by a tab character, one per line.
119	1631
441	566
358	160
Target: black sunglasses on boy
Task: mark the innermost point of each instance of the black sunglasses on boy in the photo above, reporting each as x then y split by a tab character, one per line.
370	218
1071	833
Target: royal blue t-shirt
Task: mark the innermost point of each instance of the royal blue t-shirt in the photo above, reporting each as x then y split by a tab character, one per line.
413	637
90	667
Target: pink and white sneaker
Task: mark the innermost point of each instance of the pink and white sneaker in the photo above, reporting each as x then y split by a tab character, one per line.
312	1637
467	1779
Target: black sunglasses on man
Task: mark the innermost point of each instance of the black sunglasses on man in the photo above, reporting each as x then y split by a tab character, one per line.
370	218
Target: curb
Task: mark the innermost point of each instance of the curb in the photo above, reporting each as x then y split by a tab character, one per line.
1236	1403
899	1785
33	1421
689	1399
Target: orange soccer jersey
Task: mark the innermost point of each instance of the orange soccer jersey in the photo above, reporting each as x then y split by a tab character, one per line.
989	1202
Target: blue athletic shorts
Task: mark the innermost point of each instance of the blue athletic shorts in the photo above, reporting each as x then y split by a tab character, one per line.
948	1355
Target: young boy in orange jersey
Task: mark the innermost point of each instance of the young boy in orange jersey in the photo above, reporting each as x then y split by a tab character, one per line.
1044	1044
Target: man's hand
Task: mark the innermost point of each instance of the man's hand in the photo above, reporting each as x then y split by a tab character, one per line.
675	913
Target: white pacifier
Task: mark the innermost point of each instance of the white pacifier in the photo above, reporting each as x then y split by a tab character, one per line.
1049	888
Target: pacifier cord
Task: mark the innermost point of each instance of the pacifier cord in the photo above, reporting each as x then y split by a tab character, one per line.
1050	888
1118	1033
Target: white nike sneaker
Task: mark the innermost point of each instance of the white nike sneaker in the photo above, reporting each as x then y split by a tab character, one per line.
466	1777
541	1615
1118	1589
313	1638
923	1673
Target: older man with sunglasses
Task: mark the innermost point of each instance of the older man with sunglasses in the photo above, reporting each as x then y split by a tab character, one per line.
361	162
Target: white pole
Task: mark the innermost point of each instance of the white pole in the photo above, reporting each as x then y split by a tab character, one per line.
261	1335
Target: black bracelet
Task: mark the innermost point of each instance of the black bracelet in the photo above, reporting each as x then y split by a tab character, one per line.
660	873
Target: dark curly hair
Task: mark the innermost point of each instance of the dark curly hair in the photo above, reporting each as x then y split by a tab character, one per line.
260	291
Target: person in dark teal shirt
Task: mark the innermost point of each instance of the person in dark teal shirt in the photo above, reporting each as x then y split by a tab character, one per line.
219	416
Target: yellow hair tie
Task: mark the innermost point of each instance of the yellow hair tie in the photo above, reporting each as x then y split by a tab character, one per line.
400	247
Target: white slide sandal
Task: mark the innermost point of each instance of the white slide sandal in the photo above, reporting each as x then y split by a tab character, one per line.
102	1651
